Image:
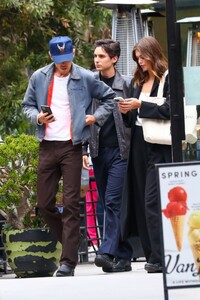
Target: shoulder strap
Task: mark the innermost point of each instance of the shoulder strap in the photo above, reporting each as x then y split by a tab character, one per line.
161	85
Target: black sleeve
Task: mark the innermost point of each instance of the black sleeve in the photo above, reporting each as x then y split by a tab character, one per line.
155	111
130	117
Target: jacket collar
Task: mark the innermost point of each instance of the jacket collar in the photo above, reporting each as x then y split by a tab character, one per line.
49	70
137	90
118	83
154	87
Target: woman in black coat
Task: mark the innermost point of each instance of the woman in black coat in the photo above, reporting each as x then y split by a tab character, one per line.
140	208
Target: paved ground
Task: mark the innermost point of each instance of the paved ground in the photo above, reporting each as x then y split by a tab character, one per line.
90	283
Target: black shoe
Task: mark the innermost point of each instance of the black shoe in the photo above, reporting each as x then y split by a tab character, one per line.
121	265
153	268
65	270
104	261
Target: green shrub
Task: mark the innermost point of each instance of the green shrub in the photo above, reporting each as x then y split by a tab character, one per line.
18	177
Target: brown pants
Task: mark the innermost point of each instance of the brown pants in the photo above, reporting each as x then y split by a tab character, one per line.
61	159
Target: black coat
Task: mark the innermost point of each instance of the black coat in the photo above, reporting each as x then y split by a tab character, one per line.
129	220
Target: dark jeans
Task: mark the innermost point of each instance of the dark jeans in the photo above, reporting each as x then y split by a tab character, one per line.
61	159
109	172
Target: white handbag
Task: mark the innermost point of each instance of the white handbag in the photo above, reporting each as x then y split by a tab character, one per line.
157	131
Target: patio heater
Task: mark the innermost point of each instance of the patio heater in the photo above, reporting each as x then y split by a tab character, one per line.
127	28
147	22
193	46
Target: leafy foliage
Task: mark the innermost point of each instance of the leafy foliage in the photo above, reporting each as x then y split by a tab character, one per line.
18	175
26	26
37	8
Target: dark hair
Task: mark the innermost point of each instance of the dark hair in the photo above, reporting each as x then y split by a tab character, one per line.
111	47
152	51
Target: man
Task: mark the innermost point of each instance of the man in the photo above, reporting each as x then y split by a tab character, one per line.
109	148
68	89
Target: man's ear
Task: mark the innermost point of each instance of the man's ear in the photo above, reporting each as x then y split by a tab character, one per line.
50	56
115	59
74	52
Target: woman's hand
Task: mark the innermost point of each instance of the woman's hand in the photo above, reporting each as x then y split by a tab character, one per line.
128	104
86	164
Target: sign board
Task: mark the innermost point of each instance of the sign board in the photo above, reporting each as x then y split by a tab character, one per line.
191	84
179	193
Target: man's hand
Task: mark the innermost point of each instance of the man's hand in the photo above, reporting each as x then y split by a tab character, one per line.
89	119
43	118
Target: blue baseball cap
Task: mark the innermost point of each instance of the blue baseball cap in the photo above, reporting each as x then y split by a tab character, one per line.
61	49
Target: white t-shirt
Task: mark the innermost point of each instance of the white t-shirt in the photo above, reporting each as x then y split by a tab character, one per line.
59	130
138	121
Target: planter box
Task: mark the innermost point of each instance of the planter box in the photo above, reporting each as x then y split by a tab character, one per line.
31	252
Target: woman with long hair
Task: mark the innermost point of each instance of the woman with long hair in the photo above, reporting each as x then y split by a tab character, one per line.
141	194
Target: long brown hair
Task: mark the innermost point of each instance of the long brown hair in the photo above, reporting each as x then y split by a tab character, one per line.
151	51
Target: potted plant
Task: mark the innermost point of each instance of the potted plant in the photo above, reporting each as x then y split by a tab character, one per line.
35	252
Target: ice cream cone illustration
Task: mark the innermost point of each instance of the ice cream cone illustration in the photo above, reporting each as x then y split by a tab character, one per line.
178	223
176	210
194	237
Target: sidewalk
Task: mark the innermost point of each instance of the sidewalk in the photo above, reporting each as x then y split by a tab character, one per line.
90	283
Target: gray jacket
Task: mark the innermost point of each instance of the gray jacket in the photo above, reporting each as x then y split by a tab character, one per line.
82	88
121	85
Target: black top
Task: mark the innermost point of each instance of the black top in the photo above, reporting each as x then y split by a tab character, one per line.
108	133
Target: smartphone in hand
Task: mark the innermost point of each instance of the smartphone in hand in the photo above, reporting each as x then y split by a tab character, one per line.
46	109
119	99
